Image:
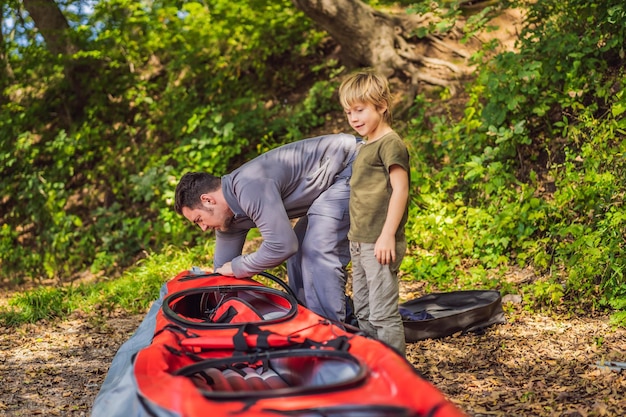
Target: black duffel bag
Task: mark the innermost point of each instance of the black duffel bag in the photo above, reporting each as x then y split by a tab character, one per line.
443	314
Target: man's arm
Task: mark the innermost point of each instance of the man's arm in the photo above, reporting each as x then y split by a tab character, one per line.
228	245
263	205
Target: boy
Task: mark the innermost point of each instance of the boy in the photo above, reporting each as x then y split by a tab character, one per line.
379	190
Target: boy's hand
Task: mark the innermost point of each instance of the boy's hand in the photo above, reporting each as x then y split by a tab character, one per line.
385	249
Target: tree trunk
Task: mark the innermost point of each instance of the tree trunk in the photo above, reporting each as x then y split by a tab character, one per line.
388	42
6	72
52	25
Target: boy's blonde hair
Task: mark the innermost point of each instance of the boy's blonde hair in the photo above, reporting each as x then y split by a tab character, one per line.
367	86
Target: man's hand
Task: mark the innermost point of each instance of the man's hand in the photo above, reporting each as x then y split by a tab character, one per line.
226	270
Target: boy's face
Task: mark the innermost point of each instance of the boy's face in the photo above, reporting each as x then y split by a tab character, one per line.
367	120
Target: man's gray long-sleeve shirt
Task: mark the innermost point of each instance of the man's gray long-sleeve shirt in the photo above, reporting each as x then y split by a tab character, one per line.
273	188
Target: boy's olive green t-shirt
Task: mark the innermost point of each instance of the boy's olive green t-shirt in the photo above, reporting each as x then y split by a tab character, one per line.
370	187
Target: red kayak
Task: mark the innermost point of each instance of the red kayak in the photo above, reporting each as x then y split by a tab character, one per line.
236	347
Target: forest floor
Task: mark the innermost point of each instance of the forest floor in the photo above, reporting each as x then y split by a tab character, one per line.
533	365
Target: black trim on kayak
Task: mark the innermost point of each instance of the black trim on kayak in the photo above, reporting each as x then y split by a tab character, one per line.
197	299
354	374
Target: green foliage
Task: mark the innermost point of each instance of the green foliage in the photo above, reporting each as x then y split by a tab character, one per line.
530	174
171	88
544	294
533	173
133	292
42	303
311	112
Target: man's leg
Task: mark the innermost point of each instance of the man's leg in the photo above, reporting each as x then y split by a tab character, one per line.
325	252
294	263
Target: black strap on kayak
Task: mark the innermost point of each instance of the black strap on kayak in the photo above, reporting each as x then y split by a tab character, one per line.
240	342
181	331
339	343
227	317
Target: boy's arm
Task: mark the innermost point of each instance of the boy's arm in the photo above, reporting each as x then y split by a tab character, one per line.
385	249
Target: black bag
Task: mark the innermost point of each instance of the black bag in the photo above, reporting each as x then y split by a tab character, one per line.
443	314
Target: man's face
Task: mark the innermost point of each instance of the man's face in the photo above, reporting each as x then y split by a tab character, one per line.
210	216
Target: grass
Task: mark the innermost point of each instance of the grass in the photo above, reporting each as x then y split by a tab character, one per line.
133	292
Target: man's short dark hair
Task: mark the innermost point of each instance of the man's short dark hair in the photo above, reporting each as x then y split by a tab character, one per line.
191	186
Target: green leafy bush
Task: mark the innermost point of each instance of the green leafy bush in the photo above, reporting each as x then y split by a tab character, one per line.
170	88
530	174
533	173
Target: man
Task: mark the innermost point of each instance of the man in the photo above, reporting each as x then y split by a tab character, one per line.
307	179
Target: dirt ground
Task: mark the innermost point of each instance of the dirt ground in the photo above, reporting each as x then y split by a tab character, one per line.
534	365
